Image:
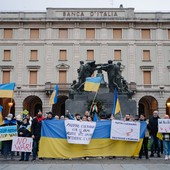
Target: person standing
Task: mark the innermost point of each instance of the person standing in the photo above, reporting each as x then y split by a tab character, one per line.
166	142
7	145
24	131
36	133
144	147
153	130
50	116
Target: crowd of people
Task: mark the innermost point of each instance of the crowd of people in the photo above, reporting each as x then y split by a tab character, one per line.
31	127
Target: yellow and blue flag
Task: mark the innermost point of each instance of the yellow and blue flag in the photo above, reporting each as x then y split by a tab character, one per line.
1	117
53	135
92	83
7	90
116	104
54	96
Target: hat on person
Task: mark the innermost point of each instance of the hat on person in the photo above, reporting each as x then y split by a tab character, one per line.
9	116
24	119
49	113
77	114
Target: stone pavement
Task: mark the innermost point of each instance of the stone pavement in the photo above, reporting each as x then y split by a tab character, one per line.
91	164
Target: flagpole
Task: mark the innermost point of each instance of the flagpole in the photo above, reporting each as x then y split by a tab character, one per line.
93	101
121	115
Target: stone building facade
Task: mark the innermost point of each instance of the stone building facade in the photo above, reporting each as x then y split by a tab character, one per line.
41	49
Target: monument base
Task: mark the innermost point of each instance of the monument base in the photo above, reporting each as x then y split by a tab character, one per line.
79	102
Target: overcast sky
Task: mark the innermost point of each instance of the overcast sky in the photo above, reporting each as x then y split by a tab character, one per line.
41	5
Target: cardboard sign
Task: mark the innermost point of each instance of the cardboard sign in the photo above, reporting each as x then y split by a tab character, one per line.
125	130
164	125
79	132
22	144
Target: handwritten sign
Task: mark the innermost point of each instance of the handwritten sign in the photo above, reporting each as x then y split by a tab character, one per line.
164	125
22	144
79	132
7	132
125	130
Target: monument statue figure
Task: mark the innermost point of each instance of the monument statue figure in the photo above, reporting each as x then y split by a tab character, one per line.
115	78
84	71
110	69
118	77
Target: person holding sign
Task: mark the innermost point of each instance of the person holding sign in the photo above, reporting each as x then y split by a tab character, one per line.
24	131
166	142
7	144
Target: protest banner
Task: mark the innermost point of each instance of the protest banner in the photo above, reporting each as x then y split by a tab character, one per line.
7	132
79	132
164	125
125	130
54	144
22	144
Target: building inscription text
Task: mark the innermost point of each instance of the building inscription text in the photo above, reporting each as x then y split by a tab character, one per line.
90	14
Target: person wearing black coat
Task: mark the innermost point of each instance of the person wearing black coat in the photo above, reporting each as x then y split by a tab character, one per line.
24	131
153	130
36	133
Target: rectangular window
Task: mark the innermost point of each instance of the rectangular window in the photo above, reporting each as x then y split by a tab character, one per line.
7	55
63	33
90	33
147	77
63	55
117	33
34	55
33	78
34	33
146	55
5	77
8	33
90	55
62	77
169	34
145	33
117	54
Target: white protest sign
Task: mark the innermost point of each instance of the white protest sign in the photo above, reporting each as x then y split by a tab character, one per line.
125	130
79	132
164	125
22	144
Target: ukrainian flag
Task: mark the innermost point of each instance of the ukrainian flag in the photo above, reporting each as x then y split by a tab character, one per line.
54	98
53	142
7	90
116	104
1	118
92	83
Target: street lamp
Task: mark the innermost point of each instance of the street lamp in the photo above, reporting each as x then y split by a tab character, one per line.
10	104
168	104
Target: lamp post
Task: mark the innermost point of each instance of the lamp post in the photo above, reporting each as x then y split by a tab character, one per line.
168	104
10	104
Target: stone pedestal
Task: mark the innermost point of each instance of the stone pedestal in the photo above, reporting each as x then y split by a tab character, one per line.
79	103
